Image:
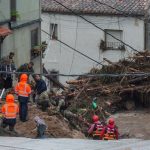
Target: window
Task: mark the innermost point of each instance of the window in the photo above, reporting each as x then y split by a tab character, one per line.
34	38
54	31
112	44
13	10
54	77
35	49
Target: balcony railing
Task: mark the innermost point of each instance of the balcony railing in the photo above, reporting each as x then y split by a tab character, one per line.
38	50
111	45
115	46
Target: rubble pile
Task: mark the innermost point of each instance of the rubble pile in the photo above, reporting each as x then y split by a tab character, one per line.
114	93
88	95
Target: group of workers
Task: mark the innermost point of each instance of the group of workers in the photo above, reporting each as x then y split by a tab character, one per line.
10	109
100	131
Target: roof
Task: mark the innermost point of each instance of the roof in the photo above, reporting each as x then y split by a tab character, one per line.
128	7
4	31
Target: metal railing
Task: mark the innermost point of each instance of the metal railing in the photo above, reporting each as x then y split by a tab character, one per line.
114	46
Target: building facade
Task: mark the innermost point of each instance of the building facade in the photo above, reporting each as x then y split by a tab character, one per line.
79	34
23	18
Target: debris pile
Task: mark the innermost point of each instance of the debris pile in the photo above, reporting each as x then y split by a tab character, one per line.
112	92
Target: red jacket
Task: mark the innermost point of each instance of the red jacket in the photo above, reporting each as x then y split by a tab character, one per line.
109	128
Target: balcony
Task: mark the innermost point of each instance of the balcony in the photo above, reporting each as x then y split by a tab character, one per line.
111	46
38	50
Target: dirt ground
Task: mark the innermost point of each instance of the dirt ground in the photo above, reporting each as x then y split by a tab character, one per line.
131	124
134	124
57	126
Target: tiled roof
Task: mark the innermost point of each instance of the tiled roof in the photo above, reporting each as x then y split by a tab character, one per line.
129	7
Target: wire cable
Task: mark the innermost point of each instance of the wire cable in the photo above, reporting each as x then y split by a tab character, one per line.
134	74
76	14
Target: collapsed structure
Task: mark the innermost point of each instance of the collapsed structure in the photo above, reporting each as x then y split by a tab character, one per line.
121	85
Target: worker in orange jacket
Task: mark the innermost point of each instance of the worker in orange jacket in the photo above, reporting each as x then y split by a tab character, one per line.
23	90
9	111
96	128
110	132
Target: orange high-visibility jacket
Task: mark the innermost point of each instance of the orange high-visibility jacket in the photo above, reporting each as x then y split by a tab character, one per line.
22	88
10	109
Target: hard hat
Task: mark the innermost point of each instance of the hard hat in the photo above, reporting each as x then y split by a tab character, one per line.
24	77
10	98
111	121
95	118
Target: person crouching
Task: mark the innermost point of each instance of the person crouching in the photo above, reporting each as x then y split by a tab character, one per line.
9	111
40	126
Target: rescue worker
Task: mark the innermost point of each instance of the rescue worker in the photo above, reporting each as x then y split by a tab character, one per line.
9	111
26	68
110	132
96	128
7	64
42	97
62	103
40	126
23	90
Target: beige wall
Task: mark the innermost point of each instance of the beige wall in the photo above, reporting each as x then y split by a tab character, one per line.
4	10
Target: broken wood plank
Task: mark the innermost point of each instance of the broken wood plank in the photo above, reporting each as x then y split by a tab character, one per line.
76	81
137	80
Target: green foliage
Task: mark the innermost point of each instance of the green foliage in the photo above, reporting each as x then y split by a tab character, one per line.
15	14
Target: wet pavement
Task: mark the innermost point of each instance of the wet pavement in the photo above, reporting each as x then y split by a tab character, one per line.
12	143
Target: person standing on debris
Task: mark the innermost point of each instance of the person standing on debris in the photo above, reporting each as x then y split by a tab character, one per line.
23	90
110	132
26	68
9	58
42	97
96	128
40	126
9	111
